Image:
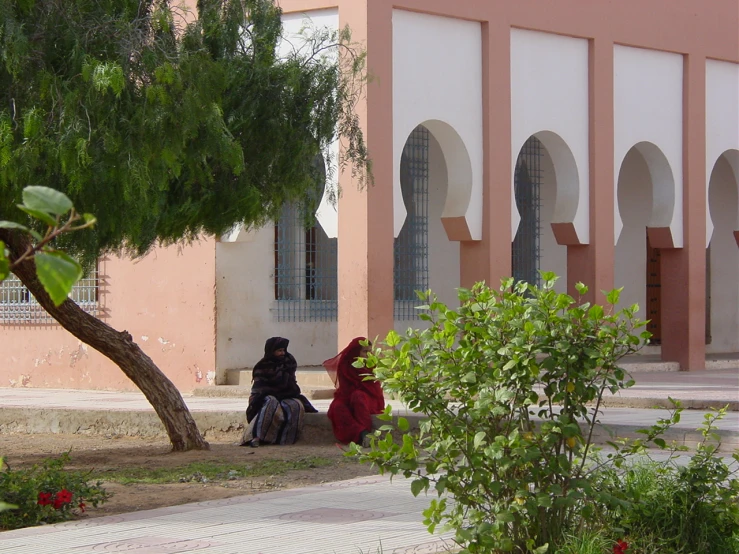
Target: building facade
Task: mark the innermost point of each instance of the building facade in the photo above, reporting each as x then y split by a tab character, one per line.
596	139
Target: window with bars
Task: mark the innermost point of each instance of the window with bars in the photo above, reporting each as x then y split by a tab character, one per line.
305	269
18	306
411	270
526	250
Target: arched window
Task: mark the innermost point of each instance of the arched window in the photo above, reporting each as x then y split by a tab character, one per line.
305	261
411	269
526	251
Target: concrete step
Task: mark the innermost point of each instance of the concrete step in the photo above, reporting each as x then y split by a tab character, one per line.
308	377
240	391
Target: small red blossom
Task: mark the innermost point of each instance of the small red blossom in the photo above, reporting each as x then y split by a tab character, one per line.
620	547
82	507
62	497
44	498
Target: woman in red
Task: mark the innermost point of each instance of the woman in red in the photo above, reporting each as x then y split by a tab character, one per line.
355	400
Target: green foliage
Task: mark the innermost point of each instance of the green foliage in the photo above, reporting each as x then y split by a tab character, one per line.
167	129
46	494
687	509
587	542
511	384
57	271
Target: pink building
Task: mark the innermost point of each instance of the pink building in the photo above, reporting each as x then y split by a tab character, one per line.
596	139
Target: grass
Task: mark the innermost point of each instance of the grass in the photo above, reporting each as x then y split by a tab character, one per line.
587	542
210	471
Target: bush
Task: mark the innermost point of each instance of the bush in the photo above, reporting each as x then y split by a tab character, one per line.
687	509
511	384
46	494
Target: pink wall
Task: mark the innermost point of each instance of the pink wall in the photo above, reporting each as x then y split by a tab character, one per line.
165	300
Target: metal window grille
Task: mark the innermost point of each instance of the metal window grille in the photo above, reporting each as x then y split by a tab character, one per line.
18	305
526	251
305	276
411	270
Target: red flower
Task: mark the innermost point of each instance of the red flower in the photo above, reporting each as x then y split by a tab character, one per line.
620	547
82	506
44	498
62	497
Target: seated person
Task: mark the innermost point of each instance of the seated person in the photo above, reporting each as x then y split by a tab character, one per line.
355	400
276	407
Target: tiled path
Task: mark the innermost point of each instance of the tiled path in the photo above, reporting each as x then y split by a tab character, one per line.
361	516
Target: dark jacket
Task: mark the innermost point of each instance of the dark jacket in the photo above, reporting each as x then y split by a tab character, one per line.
275	376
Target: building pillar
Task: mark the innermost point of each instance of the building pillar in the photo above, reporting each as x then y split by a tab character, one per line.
489	259
365	238
684	269
593	263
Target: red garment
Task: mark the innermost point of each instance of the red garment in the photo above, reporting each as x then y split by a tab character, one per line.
355	400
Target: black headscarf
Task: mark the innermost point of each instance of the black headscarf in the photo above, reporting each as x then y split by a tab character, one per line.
275	376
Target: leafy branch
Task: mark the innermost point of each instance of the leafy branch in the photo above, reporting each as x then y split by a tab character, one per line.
57	270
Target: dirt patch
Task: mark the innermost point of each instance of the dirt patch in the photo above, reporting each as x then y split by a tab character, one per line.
114	453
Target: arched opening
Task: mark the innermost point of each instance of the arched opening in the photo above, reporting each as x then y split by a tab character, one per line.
645	194
424	256
542	196
722	259
305	260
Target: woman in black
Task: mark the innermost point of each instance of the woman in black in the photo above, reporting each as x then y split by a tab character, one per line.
276	407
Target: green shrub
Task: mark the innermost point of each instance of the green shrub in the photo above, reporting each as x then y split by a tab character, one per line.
688	509
511	384
46	494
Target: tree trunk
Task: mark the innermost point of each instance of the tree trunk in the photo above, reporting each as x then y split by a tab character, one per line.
118	346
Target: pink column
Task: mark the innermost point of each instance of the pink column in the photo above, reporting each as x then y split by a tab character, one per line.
593	264
365	242
684	269
490	258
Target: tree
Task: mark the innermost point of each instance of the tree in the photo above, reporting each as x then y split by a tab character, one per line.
166	130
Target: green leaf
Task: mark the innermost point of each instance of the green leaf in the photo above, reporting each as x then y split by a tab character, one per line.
403	424
479	439
470	377
392	339
12	225
4	263
418	485
89	219
46	200
37	214
614	295
5	506
542	549
58	273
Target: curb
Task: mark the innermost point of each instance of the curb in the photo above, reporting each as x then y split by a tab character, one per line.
664	403
230	424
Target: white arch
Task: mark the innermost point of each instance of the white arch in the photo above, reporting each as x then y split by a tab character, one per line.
663	188
731	156
460	182
567	179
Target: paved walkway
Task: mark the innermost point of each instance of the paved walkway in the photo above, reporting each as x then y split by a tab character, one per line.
362	516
